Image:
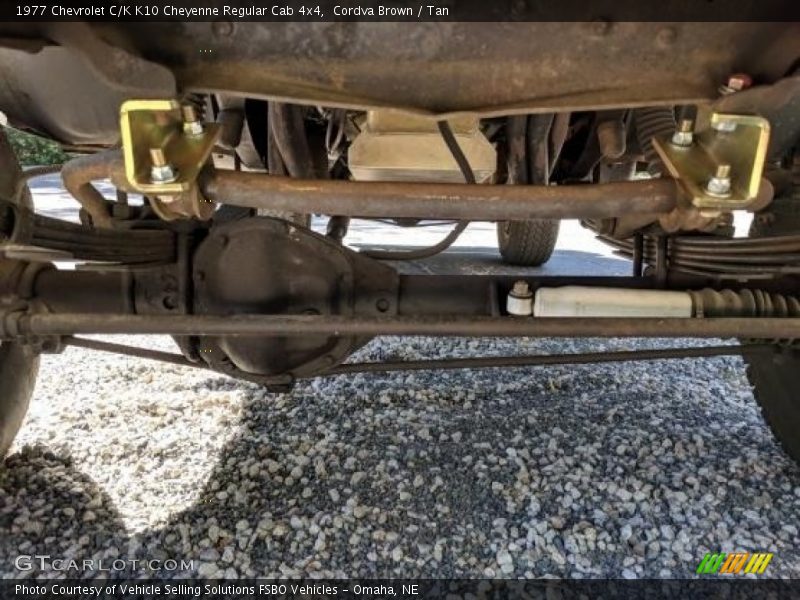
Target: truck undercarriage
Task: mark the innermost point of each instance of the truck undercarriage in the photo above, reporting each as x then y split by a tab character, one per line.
652	134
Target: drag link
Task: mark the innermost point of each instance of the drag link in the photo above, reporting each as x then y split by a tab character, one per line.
427	325
484	362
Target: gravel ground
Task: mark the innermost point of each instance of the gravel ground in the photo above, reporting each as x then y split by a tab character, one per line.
587	471
628	470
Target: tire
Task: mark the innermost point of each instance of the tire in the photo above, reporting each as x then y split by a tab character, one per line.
18	370
18	364
775	376
527	243
775	381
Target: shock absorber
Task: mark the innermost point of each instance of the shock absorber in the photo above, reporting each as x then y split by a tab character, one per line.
585	301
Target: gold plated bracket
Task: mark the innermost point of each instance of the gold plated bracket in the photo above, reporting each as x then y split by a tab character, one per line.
721	167
157	128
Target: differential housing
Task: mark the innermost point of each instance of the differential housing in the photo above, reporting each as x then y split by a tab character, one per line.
270	266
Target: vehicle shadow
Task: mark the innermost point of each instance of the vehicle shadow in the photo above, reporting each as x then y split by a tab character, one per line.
49	508
432	474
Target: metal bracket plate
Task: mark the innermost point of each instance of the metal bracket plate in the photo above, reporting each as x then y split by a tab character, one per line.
739	141
149	124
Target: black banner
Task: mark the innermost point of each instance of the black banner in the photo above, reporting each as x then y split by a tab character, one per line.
730	588
601	11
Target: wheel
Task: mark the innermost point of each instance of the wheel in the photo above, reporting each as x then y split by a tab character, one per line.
527	243
18	370
774	377
18	364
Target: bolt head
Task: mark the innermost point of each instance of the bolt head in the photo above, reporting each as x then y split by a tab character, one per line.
739	81
724	126
684	136
191	125
736	83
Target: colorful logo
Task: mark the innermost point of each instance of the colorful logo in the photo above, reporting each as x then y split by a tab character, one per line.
738	562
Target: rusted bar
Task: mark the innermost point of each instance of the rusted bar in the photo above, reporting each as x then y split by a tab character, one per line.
78	174
439	200
480	362
430	325
572	358
102	346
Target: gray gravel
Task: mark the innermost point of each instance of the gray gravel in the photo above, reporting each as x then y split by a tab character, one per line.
631	470
586	471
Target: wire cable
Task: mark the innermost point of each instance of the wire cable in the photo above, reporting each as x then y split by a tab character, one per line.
466	170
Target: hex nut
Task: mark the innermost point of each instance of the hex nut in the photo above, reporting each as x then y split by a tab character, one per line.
191	125
160	170
684	136
192	128
739	81
720	184
163	174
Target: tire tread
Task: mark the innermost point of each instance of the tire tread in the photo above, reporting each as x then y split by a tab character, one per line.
528	243
775	388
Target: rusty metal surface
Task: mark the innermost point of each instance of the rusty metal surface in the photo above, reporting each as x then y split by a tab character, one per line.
71	89
392	199
495	68
443	325
779	104
439	201
429	68
102	346
78	174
